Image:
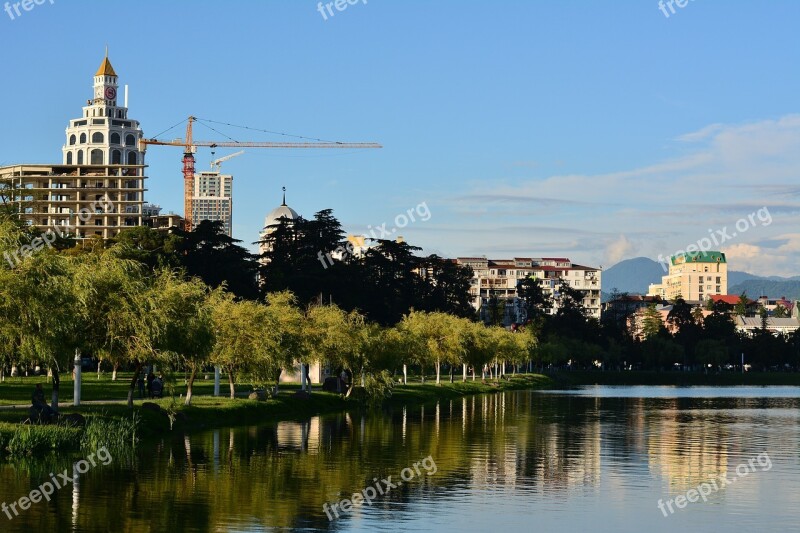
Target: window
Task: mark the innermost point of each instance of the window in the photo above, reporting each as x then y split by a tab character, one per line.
114	138
83	138
69	157
96	156
80	157
130	140
719	288
72	140
97	137
116	157
719	279
132	159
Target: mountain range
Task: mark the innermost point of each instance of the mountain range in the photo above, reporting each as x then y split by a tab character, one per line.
635	275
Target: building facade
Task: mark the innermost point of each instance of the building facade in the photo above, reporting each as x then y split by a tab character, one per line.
497	280
99	187
693	276
213	199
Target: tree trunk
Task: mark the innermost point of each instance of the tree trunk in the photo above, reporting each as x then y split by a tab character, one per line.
422	373
473	373
114	372
189	386
98	368
303	376
132	387
464	376
54	399
438	371
405	374
452	372
230	383
2	374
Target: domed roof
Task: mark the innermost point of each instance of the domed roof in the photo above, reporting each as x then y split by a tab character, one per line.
282	211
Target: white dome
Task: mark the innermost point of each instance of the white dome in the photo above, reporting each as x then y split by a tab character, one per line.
282	211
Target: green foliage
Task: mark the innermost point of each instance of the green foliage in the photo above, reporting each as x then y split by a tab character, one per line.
119	436
28	439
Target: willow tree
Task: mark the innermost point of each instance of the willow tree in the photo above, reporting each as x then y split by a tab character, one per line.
187	333
331	335
37	313
283	330
240	343
120	309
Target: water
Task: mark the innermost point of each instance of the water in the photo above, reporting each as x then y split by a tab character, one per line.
594	459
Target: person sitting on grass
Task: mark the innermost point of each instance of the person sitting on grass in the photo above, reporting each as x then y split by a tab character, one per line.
43	411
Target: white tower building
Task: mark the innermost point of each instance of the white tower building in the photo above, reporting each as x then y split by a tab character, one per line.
104	135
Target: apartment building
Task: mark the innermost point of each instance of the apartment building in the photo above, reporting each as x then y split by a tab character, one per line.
98	189
213	199
693	276
498	279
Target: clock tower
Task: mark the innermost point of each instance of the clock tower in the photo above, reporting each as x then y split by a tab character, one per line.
104	135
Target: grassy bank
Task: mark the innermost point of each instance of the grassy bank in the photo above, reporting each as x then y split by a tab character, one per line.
571	379
209	412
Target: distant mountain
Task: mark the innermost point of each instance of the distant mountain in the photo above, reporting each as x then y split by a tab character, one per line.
632	275
635	275
790	289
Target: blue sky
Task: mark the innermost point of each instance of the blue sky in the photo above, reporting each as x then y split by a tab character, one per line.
594	130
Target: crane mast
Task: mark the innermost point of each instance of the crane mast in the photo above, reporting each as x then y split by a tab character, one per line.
190	148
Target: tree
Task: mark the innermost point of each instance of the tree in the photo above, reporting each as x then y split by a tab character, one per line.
240	342
711	352
740	309
119	308
780	311
187	332
210	254
652	324
537	302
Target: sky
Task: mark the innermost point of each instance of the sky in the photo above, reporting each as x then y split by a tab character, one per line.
598	131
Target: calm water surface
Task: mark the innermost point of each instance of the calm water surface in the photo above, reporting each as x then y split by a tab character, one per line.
594	459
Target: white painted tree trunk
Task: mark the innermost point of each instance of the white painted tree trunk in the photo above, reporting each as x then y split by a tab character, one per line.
405	374
114	372
303	377
465	372
216	380
76	397
438	371
98	369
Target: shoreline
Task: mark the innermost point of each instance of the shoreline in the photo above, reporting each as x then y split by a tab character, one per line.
209	412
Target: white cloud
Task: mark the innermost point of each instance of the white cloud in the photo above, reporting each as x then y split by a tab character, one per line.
719	174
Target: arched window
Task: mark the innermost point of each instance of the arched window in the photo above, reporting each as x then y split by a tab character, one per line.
116	157
97	137
80	157
114	139
72	140
132	159
130	140
83	138
97	157
69	157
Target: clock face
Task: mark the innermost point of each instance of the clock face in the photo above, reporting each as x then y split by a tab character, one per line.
111	93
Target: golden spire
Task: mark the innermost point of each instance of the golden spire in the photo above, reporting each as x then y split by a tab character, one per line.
105	68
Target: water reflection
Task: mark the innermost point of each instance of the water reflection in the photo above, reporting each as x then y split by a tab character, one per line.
572	461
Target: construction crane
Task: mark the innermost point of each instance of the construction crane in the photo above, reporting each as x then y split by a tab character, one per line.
218	162
190	148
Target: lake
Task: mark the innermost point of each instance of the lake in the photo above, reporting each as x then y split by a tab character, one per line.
593	459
